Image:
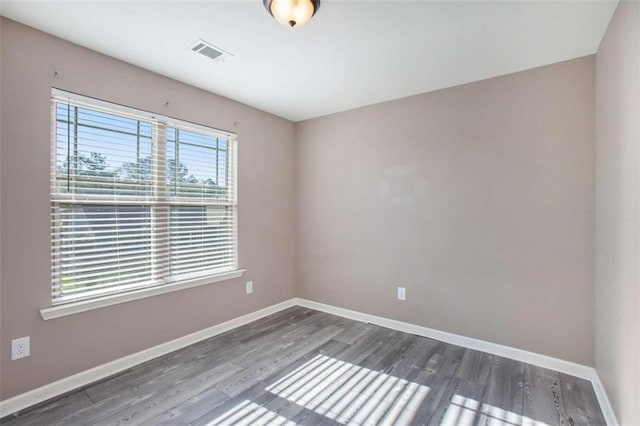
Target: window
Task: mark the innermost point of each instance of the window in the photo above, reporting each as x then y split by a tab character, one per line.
137	200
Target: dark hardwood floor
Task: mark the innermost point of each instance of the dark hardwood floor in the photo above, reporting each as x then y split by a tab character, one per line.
301	366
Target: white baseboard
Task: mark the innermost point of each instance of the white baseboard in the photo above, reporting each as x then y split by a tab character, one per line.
603	399
567	367
86	377
62	386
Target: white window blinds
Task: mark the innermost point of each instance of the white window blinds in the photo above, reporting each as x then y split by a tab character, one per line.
137	200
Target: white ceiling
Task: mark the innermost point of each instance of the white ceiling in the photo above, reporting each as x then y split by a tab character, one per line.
351	54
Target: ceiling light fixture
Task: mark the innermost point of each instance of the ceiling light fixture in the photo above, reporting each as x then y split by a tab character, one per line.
292	13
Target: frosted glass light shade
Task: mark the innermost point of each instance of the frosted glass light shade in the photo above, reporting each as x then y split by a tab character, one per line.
292	13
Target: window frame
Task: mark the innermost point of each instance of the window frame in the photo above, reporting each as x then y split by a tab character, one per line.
159	199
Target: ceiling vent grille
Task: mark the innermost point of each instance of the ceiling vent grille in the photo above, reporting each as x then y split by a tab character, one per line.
210	51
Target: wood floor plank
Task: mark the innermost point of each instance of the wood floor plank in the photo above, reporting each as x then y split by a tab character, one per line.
254	353
542	397
280	408
249	376
388	350
51	411
439	377
394	352
460	405
414	358
310	418
241	404
503	400
405	395
578	396
461	400
445	361
158	402
273	321
259	349
257	353
475	367
189	410
163	379
439	386
355	332
366	344
152	398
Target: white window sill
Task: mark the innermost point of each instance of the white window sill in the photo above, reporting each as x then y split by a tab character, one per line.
114	299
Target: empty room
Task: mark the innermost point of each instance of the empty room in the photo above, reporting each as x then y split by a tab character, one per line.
319	212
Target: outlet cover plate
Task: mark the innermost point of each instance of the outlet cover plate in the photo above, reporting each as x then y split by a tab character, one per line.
402	293
20	348
249	287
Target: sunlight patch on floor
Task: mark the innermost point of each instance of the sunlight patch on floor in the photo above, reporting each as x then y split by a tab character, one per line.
496	416
348	393
461	411
526	421
249	413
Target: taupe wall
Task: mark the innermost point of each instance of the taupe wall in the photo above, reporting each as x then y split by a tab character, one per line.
71	344
618	212
479	199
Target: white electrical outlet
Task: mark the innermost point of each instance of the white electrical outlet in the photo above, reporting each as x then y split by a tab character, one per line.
402	293
20	348
249	287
